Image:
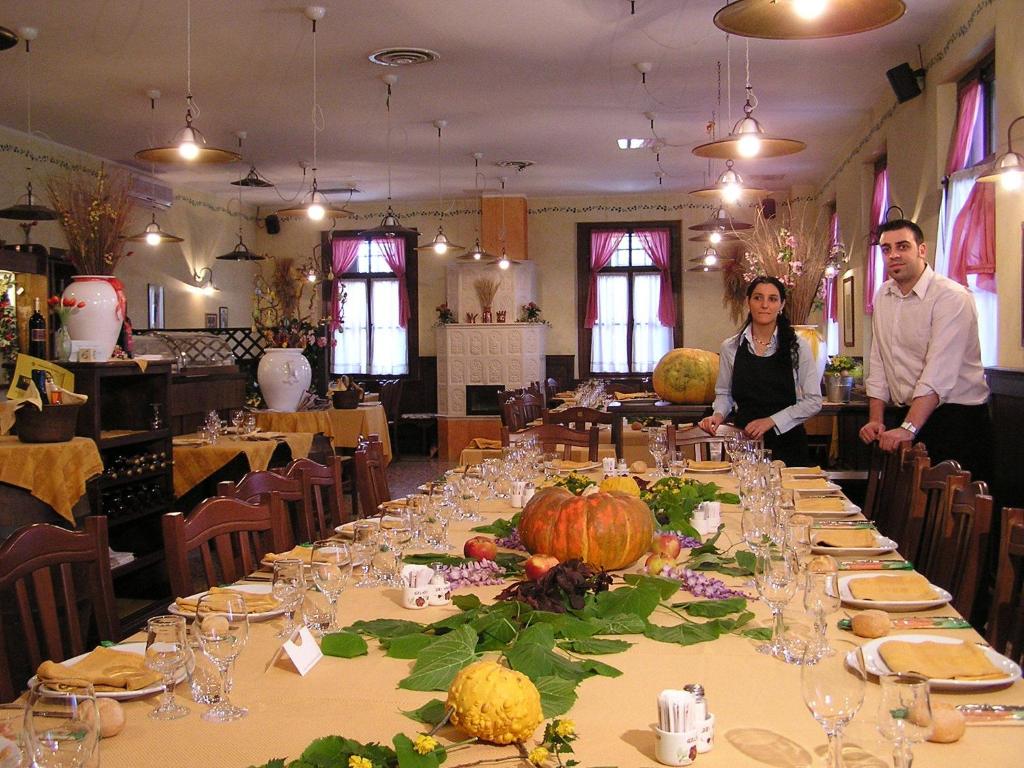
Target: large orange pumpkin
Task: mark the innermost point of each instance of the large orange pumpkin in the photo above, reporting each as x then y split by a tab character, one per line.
686	375
607	530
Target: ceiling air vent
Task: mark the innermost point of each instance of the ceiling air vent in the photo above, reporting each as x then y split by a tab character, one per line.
150	193
403	57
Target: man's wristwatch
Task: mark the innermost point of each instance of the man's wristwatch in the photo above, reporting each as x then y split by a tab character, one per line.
909	426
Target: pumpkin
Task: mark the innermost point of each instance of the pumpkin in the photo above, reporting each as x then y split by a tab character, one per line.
606	530
494	703
622	484
686	375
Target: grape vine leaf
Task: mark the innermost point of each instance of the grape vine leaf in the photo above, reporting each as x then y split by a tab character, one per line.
595	645
711	609
684	634
595	667
438	663
385	628
557	695
639	601
408	646
431	713
408	757
618	624
666	587
345	645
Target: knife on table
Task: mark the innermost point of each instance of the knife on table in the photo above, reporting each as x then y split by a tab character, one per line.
992	714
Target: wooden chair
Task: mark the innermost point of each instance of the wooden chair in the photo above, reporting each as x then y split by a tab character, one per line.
931	492
882	470
533	405
278	491
49	579
891	517
578	418
551	436
513	413
1005	629
957	562
371	476
390	400
322	493
231	536
702	446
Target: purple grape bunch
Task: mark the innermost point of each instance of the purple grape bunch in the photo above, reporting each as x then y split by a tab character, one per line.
473	574
686	542
512	541
699	584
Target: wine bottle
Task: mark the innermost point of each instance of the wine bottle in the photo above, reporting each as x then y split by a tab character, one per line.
37	333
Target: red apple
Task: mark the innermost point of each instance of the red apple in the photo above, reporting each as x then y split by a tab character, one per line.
537	565
656	563
480	548
666	544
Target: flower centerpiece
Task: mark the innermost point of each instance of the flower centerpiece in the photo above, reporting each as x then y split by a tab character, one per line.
530	313
486	289
62	308
840	372
445	314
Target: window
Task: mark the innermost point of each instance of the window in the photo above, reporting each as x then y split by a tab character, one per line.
374	340
627	306
830	300
879	209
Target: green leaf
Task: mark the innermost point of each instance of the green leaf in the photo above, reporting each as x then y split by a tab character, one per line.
532	655
452	622
595	667
438	663
618	624
746	560
760	633
408	646
511	562
639	601
346	645
728	498
557	695
466	602
431	713
666	587
408	757
565	625
332	751
710	609
426	558
538	634
500	527
683	634
595	645
384	628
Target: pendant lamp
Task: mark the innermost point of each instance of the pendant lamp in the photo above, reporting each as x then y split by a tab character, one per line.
1008	168
440	244
806	19
8	39
153	235
720	221
241	251
253	178
390	225
730	187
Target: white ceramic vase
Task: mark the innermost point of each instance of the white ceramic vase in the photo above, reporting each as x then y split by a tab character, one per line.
817	343
283	374
99	321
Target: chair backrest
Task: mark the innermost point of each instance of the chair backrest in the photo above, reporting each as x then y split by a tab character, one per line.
930	492
371	478
49	579
265	487
893	507
322	498
958	560
533	405
695	443
577	417
1005	629
390	398
513	413
231	536
553	436
882	470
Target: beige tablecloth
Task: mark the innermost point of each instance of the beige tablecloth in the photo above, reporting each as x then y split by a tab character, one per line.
193	464
634	447
54	473
343	426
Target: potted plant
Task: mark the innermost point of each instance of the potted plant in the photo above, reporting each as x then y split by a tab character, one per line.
840	371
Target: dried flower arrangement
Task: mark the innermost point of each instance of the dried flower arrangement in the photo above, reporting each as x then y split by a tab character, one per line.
486	289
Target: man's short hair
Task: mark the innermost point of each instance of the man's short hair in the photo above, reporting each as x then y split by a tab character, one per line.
892	226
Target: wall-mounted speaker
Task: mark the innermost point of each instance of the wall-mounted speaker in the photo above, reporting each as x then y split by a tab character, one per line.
273	224
905	82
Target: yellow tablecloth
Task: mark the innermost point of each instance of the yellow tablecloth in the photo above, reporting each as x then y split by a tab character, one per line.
193	464
54	473
634	447
343	426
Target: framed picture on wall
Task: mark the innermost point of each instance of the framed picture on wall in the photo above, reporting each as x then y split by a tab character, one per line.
211	320
222	317
849	315
156	305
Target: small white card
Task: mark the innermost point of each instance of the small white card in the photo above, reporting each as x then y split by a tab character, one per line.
303	650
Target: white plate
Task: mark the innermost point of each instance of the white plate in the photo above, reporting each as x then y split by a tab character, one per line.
846	595
876	666
709	471
828	489
345	529
849	508
137	648
884	545
803	473
252	589
584	468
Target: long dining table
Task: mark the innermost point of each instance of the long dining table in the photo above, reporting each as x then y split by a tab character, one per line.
760	714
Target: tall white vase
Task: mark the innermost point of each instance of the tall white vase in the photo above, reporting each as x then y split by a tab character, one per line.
817	343
283	374
99	321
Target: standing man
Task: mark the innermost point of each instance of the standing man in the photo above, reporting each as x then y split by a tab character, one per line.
926	358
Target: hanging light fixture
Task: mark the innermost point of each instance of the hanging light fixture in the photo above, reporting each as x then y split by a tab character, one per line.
188	145
477	254
253	178
722	223
730	187
8	39
28	210
806	19
440	244
1008	168
390	225
153	235
241	251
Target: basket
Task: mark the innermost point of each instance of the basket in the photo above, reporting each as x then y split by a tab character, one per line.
54	424
346	398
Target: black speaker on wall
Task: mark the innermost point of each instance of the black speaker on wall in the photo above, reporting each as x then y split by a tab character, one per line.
905	81
273	224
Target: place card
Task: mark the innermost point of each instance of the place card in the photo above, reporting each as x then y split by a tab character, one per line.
301	649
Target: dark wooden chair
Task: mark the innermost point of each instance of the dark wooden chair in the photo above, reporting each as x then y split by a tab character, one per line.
279	491
578	418
695	443
533	405
931	492
883	468
555	436
321	495
371	476
52	581
1005	630
891	517
390	400
231	536
513	413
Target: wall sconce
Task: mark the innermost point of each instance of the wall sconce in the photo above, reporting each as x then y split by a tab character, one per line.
203	281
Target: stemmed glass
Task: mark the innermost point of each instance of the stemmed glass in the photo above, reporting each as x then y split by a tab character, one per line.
904	714
222	628
396	537
798	536
288	587
166	649
833	695
364	546
821	598
237	420
331	563
472	493
657	444
61	727
775	577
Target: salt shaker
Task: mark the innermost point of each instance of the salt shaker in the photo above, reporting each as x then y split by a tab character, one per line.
705	721
621	469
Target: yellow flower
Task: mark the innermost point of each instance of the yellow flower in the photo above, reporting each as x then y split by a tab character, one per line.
538	756
565	728
425	744
355	761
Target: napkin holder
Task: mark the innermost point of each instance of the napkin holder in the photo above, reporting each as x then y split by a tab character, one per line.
421	587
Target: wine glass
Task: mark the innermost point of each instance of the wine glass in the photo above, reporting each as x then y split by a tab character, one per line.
904	714
61	728
657	444
364	546
331	564
472	494
798	536
166	649
288	586
222	628
237	420
821	598
775	577
833	694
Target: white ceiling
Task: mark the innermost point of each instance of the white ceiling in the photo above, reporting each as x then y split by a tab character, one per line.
550	81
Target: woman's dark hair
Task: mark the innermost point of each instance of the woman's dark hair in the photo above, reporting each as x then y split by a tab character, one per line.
788	346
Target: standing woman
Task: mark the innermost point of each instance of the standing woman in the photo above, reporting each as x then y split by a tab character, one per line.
768	375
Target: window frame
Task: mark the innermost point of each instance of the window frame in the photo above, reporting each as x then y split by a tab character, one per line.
585	335
985	71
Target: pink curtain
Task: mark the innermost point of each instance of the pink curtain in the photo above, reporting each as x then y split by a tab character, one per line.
973	247
879	203
602	246
655	243
966	119
394	255
343	255
831	303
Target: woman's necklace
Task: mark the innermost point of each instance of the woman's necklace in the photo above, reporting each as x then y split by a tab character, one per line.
762	346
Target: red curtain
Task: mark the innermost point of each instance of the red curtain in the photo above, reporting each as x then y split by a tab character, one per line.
831	303
966	119
394	255
343	256
879	203
602	246
973	247
655	243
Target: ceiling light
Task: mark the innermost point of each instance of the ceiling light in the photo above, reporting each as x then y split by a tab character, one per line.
253	178
715	238
7	38
203	281
729	186
633	143
390	225
830	271
710	257
478	255
806	19
153	235
240	252
1009	166
504	262
720	221
440	244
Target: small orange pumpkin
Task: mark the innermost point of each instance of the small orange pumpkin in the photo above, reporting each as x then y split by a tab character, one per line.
607	530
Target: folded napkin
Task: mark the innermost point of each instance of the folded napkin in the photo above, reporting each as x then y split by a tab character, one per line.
803	472
484	443
295	553
857	538
254	603
813	484
903	587
107	669
945	661
708	465
633	395
820	504
567	464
